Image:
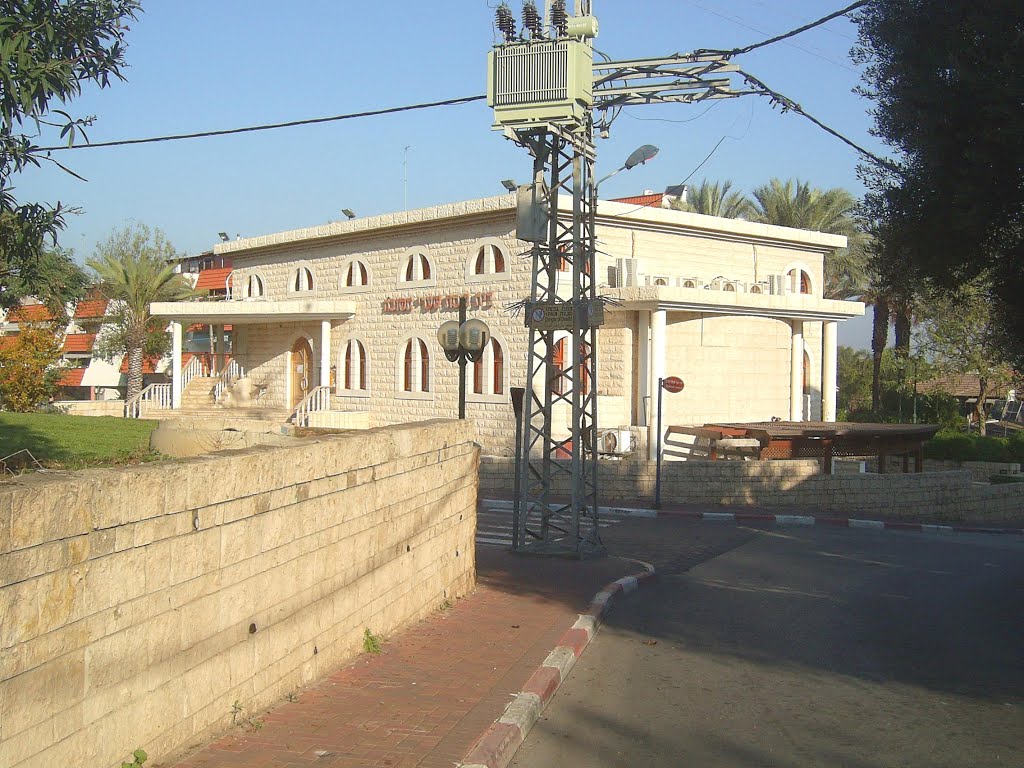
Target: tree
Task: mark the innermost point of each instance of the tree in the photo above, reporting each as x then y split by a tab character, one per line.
960	337
715	199
48	50
797	204
135	267
945	82
28	367
52	276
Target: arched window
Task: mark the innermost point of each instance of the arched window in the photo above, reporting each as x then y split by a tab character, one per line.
799	281
355	368
355	275
489	260
415	375
302	280
661	281
729	287
565	259
417	269
254	287
489	370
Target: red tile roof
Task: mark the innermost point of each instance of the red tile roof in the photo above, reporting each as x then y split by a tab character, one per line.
79	342
213	279
30	313
90	308
71	377
653	201
148	364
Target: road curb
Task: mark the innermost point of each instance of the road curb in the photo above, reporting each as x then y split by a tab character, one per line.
839	522
499	743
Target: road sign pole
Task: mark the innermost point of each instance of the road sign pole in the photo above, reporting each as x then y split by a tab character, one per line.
657	476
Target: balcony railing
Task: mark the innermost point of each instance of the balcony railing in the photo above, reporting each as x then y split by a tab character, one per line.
153	396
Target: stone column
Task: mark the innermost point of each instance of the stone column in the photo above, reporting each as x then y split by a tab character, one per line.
829	368
796	372
643	340
657	364
176	335
325	353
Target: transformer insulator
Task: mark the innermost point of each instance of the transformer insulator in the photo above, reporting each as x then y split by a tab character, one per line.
506	22
531	20
560	18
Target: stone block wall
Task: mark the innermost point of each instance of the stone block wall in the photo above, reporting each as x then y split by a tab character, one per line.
138	604
795	484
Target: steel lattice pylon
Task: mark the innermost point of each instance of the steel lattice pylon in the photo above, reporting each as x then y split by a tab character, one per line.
562	365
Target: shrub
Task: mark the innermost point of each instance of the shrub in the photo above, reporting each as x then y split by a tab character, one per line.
1017	448
992	449
954	446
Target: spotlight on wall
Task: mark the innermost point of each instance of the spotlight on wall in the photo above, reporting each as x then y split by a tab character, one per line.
348	212
223	236
509	184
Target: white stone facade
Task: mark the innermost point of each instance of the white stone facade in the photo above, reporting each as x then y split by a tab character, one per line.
733	348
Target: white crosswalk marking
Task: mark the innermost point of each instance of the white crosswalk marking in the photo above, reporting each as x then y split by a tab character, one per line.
494	521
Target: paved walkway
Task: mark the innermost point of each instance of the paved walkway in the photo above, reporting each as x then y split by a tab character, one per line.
437	686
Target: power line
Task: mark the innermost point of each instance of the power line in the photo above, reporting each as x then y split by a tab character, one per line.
267	127
789	105
786	35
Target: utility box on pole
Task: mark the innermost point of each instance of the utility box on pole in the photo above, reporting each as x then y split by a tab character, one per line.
541	82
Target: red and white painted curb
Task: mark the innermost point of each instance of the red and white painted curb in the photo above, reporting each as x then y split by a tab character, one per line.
499	743
838	522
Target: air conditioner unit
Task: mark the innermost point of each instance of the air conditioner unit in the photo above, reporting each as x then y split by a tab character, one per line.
761	287
778	284
689	282
731	286
617	442
657	280
625	273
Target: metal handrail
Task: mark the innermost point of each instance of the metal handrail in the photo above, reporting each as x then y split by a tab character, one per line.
318	399
232	373
158	394
194	369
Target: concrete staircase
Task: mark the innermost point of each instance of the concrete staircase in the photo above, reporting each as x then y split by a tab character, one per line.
197	403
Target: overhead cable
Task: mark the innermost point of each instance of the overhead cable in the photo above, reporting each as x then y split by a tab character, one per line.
267	127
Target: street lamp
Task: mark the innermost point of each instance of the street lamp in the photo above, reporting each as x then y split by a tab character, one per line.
463	340
639	156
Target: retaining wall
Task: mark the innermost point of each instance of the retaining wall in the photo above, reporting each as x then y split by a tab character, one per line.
138	605
794	483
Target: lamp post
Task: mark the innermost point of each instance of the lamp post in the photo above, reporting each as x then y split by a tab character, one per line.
463	340
639	156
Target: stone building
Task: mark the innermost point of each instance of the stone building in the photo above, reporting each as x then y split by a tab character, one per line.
341	319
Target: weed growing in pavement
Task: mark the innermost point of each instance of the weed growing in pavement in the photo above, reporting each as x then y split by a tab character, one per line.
292	697
139	756
236	710
252	723
446	604
371	642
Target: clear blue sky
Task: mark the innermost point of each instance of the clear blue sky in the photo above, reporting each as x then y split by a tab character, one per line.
217	64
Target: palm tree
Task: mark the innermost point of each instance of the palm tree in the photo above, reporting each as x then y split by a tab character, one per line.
135	267
715	199
797	204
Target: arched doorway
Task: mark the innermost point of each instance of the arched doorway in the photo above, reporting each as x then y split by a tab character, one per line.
301	371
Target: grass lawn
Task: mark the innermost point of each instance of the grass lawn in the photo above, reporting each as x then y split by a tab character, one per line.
74	441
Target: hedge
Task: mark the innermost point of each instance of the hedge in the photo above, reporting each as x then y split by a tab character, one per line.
956	446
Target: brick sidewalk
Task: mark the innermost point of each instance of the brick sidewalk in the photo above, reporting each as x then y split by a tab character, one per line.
437	686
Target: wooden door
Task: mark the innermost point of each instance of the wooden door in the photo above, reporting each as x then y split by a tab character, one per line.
301	371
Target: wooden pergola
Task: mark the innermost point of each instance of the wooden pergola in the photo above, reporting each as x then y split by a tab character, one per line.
825	440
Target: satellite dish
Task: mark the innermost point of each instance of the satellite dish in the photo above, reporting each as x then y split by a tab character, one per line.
641	156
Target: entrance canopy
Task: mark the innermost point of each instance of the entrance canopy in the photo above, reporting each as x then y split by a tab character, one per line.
253	312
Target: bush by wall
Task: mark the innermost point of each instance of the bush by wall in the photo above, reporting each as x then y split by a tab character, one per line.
957	446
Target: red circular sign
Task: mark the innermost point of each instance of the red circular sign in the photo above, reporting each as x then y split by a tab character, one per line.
672	384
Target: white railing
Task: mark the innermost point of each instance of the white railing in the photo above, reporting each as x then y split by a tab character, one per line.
153	396
319	399
194	369
232	373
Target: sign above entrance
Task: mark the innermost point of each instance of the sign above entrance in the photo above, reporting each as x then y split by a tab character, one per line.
436	302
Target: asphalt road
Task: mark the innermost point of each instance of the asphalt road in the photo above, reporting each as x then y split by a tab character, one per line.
802	647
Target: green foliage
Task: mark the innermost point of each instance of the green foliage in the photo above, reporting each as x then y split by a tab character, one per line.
943	78
28	368
71	442
371	642
957	446
139	756
48	51
797	204
51	275
715	199
135	267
